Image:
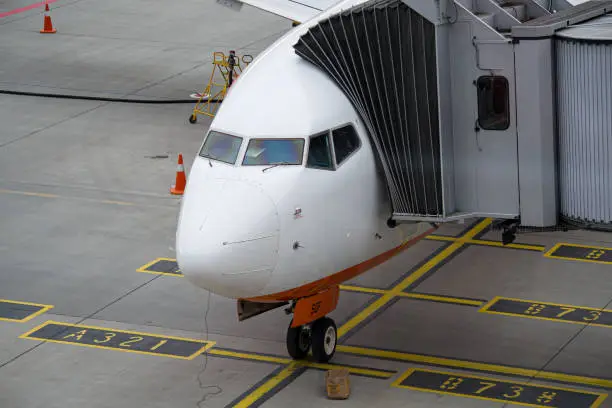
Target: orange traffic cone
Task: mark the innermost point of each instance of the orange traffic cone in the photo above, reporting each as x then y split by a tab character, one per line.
48	25
179	187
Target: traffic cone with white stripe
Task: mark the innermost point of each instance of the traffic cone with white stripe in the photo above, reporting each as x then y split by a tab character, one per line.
48	25
179	187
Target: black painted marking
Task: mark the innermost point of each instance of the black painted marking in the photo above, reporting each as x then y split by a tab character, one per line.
436	267
279	387
498	390
373	298
582	253
455	297
17	311
436	252
528	247
368	319
549	311
255	386
514	370
481	233
164	266
119	340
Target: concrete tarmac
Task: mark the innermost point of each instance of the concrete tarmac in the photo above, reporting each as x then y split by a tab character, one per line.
458	320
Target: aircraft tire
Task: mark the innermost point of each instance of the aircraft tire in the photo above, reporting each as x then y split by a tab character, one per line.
324	339
298	342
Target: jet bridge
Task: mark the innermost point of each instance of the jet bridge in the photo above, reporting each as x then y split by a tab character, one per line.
464	110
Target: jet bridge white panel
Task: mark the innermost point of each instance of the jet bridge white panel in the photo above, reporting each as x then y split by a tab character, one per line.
584	78
383	56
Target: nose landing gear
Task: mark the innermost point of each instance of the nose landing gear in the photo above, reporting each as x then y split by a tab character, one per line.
319	336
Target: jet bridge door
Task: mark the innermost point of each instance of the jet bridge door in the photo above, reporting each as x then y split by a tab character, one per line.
484	124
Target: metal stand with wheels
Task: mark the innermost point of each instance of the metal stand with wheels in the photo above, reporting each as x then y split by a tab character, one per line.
229	68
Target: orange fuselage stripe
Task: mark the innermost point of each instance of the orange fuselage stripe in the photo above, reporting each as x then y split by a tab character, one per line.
338	278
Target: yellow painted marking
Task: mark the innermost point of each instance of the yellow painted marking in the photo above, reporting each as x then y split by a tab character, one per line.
471	365
354	370
399	288
144	268
500	245
487	243
549	253
267	386
567	309
362	289
116	202
94	200
446	299
44	308
437	298
249	356
397	383
206	344
301	363
28	193
492	301
441	238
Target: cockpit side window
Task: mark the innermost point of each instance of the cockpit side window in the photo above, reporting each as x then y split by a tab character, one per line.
346	142
221	146
319	152
273	151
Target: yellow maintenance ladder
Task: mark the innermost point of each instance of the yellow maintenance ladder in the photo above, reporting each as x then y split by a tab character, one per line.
229	67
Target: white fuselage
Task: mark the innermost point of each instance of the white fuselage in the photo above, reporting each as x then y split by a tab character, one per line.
246	231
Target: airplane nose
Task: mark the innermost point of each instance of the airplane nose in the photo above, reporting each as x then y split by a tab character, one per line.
227	237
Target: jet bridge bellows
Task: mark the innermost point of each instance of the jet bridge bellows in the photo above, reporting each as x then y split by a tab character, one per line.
383	56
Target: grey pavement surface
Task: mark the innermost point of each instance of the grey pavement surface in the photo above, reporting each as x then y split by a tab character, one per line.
84	203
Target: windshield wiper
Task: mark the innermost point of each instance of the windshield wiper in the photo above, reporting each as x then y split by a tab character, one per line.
276	164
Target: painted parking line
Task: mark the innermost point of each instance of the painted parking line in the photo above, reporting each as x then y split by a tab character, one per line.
492	389
583	253
161	266
549	311
264	390
484	242
16	311
418	296
26	8
453	363
267	358
123	340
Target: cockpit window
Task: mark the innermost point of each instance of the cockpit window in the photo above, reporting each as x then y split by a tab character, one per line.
319	152
274	151
346	142
221	146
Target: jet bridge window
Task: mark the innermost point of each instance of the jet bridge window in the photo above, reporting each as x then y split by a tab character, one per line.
274	151
493	103
346	142
222	147
319	152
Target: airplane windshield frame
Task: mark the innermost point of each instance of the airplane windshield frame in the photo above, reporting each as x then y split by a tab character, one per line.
271	151
221	147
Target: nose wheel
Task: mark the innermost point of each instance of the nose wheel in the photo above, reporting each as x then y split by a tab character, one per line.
319	336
